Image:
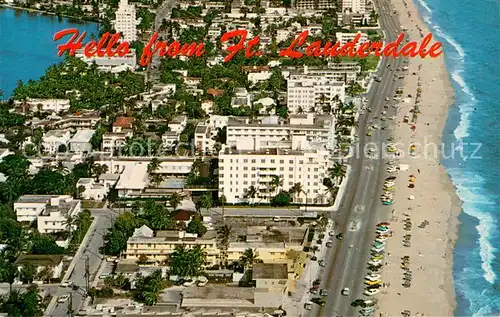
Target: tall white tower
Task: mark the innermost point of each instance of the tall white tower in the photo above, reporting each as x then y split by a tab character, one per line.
126	21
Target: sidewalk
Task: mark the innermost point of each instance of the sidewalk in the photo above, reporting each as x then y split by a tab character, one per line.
294	305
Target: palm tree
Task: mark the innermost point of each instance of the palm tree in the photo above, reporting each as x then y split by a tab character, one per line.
251	192
153	166
206	202
296	189
175	200
161	220
249	257
156	179
337	172
9	273
275	184
224	232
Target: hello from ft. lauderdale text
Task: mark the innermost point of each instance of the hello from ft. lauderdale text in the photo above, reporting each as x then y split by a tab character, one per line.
109	45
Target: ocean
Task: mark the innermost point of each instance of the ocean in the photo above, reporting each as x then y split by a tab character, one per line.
27	47
469	32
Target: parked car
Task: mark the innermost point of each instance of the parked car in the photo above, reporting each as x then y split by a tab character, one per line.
308	305
63	298
66	283
345	291
188	283
103	276
329	244
340	236
323	292
313	258
321	263
319	301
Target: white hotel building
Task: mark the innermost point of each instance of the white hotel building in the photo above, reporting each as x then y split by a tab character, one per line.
305	91
345	38
353	6
240	169
126	22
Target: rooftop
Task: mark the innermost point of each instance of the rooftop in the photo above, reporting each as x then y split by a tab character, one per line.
56	133
124	122
39	259
35	199
270	271
83	136
133	177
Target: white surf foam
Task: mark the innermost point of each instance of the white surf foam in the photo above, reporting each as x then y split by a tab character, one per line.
461	131
425	6
468	185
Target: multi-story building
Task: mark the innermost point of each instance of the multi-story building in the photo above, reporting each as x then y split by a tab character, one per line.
50	211
353	6
203	138
314	4
133	180
305	92
345	38
126	22
240	169
298	132
111	64
46	105
157	246
341	72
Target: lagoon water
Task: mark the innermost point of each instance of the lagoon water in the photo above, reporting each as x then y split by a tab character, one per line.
469	32
27	47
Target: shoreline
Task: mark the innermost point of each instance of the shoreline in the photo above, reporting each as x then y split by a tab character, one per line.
49	13
434	181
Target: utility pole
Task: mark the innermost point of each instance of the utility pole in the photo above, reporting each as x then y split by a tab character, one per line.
70	305
87	274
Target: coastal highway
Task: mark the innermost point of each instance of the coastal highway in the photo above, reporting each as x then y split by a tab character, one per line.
360	208
103	221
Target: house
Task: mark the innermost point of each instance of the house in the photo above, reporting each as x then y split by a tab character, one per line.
207	105
55	140
108	180
47	266
113	141
91	189
157	247
169	138
257	73
50	211
241	98
80	142
46	105
123	124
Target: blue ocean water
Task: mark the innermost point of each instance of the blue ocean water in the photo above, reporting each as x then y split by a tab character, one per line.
469	31
27	47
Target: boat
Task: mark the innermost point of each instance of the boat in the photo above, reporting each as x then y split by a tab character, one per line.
371	291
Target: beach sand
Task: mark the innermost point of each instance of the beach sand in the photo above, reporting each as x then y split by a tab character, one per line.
432	292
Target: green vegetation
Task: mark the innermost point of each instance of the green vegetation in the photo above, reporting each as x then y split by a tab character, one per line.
19	304
282	199
83	85
148	288
186	263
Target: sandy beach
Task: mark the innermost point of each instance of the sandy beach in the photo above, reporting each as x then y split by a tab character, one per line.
435	202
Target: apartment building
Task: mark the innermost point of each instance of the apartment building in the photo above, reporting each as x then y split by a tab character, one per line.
314	4
75	122
111	64
345	38
240	169
298	132
353	6
46	105
133	180
203	138
50	211
157	246
126	21
306	92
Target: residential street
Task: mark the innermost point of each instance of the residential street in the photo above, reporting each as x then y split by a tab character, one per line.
104	219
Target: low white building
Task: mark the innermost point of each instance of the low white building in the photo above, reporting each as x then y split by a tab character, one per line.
47	105
178	124
345	38
50	211
133	180
207	105
257	73
112	141
170	138
240	169
80	142
53	139
113	64
42	262
91	189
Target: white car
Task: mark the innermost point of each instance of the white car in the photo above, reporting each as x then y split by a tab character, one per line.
66	283
345	291
189	283
103	276
63	298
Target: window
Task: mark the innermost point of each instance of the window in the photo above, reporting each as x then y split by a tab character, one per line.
282	168
290	161
245	175
272	161
245	168
301	162
253	161
282	161
245	161
263	160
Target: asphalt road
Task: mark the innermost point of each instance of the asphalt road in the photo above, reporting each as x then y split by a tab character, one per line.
361	208
104	220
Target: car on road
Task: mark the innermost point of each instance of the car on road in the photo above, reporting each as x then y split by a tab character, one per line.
331	233
314	258
313	290
340	236
63	298
103	276
308	305
369	133
329	244
323	292
345	291
387	99
188	283
319	301
321	263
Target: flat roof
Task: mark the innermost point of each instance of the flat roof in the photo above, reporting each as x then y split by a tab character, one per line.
278	271
82	136
133	177
35	199
39	259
